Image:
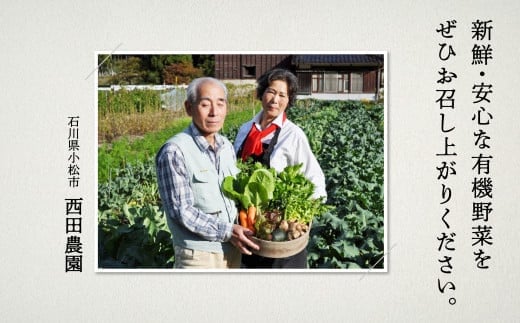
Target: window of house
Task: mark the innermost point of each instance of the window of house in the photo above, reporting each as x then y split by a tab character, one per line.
317	82
330	83
356	82
249	71
343	82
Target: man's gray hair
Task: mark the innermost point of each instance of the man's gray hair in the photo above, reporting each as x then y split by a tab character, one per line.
192	91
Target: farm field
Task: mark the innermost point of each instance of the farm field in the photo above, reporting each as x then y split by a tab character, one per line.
347	138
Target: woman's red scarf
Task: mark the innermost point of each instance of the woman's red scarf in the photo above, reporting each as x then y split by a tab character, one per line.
253	144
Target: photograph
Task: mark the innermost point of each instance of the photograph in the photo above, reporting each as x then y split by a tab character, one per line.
248	161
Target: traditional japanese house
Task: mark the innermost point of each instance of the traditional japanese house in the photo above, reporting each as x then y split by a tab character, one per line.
330	76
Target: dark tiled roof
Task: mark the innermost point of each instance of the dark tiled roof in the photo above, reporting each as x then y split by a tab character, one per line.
352	59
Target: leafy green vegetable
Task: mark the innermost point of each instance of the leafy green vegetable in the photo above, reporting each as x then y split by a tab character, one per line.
289	191
250	188
293	194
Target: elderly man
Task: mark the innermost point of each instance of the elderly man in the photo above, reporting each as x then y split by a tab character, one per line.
190	169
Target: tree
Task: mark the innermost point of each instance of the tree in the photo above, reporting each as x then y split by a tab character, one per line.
152	69
128	71
155	65
180	73
206	63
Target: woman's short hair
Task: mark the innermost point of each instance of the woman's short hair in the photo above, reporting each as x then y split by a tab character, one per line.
278	74
192	93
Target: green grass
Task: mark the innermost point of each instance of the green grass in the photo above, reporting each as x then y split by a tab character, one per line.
125	151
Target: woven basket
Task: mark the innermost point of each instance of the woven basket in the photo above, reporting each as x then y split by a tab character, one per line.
281	249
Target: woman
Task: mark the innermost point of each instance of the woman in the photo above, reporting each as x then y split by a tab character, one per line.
277	142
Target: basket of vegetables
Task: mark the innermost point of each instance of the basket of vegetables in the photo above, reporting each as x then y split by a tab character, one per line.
277	207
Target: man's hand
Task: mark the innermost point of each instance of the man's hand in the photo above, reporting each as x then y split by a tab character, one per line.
240	239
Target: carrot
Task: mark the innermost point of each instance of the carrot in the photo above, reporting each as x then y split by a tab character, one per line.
242	216
251	215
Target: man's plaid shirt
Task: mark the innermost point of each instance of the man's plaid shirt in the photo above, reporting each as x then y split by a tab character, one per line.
176	193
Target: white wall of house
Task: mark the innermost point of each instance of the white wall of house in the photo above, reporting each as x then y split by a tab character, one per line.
339	96
240	82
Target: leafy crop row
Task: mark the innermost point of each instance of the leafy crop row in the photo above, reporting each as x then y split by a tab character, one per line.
132	229
348	140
